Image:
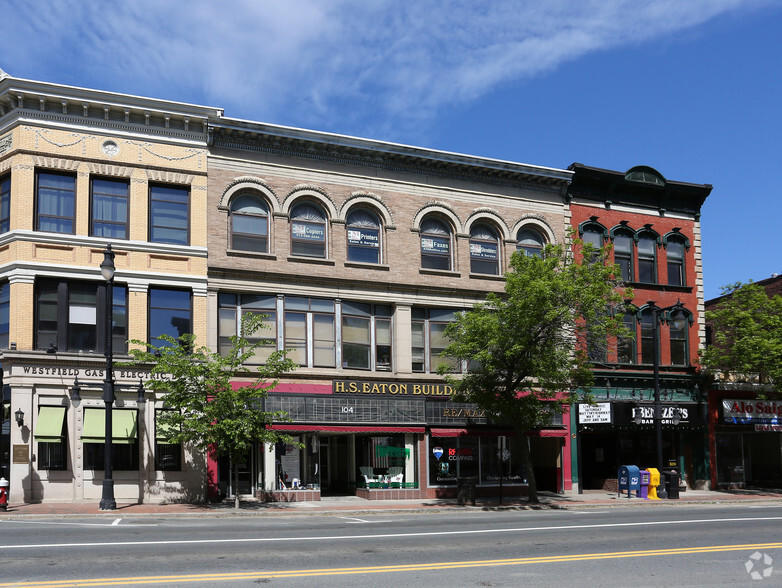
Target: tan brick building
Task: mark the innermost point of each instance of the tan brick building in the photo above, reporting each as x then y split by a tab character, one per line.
81	169
360	252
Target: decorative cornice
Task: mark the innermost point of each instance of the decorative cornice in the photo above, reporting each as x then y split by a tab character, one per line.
390	157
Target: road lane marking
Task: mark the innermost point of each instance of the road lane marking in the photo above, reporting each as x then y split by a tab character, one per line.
391	568
116	522
215	541
58	523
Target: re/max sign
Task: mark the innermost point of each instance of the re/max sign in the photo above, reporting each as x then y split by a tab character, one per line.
391	388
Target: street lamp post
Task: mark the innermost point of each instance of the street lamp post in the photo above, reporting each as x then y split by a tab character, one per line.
676	315
107	501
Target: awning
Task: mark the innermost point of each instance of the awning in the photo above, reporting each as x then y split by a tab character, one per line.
163	433
346	429
48	427
470	433
123	426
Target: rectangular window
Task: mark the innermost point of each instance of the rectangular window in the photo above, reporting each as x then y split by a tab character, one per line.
51	435
168	455
429	340
5	304
5	204
70	316
55	202
366	336
169	214
234	306
124	442
647	338
625	348
678	344
647	272
109	208
170	313
310	331
623	256
675	251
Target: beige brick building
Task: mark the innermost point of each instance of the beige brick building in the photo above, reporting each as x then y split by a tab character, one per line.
81	169
360	252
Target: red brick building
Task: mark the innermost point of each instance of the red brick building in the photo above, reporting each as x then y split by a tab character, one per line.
653	226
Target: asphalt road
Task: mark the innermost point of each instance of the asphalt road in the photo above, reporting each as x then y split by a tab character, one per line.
704	545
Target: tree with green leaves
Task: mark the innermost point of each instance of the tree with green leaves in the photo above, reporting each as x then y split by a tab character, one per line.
746	327
526	350
208	410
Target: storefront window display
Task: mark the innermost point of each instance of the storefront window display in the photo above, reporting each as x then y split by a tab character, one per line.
451	458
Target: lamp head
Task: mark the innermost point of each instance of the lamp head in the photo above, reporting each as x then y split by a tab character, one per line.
19	414
107	265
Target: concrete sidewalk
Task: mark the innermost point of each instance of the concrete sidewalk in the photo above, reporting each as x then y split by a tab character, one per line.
352	504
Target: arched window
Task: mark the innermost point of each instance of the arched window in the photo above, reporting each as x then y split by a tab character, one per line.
484	250
623	251
625	346
363	237
308	231
678	325
435	245
675	255
647	258
530	242
249	223
647	336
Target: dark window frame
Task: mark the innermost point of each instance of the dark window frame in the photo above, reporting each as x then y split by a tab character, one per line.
259	237
238	305
5	203
153	224
125	456
39	216
374	315
530	234
647	261
114	223
432	260
151	309
358	252
168	456
62	334
479	265
299	245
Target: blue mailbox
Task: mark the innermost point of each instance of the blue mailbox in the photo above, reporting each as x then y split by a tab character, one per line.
629	478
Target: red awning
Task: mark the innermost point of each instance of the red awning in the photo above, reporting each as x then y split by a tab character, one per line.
470	433
549	433
346	428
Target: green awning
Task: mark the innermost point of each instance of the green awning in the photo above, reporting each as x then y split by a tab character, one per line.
123	425
48	427
164	432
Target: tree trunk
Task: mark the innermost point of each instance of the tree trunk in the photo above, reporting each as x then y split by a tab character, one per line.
526	454
236	485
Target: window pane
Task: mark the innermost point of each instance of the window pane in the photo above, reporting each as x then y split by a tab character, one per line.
5	300
169	214
355	356
324	346
55	202
169	312
355	330
109	208
5	204
296	336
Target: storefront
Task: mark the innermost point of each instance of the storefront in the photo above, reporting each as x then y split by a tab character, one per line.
745	440
615	433
389	440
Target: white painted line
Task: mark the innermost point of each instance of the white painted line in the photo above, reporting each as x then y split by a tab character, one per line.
116	522
388	535
104	525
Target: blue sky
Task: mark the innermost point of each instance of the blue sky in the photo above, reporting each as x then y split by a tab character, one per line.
691	88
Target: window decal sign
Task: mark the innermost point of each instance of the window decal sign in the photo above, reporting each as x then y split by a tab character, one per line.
308	231
436	245
483	250
745	412
365	237
437	452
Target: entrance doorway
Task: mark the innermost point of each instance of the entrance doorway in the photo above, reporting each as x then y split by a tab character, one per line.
336	455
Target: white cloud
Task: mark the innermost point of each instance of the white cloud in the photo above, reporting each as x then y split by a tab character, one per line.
353	65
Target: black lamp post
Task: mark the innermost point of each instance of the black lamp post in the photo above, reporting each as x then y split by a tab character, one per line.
107	501
677	316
